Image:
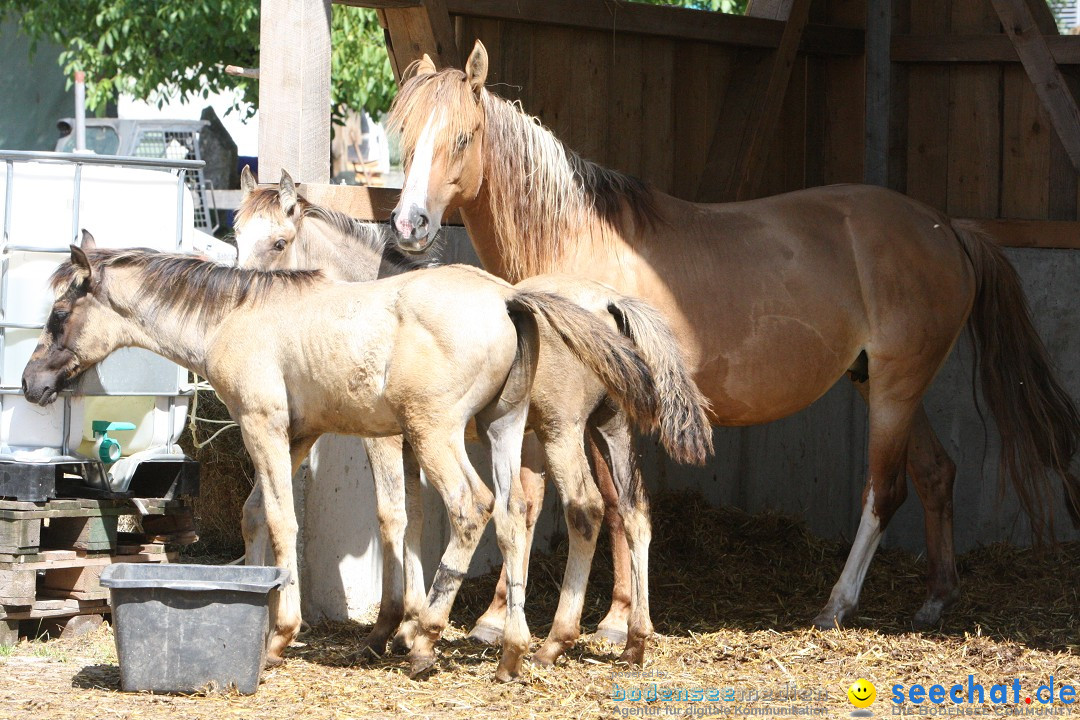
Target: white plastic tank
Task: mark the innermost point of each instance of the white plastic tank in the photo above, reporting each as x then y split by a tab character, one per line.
43	205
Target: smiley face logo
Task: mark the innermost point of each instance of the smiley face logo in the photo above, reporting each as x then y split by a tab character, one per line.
862	693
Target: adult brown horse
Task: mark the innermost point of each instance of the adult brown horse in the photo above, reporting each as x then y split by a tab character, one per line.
773	300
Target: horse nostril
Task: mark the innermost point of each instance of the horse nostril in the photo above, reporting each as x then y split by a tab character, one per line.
421	219
393	217
24	386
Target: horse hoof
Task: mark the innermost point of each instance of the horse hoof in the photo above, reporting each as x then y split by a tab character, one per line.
634	657
506	674
545	657
274	660
829	621
374	645
486	634
420	667
929	615
615	636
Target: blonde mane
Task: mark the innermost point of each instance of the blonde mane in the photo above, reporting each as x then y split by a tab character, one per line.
543	196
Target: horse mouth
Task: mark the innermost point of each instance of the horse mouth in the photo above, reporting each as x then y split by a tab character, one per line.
418	245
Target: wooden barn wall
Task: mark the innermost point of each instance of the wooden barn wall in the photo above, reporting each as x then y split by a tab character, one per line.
649	105
972	138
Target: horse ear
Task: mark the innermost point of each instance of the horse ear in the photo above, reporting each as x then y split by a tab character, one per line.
83	269
87	242
287	193
247	181
424	66
476	67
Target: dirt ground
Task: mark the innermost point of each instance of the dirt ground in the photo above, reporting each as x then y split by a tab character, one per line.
732	598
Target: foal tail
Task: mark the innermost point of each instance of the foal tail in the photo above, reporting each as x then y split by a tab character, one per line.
685	431
1038	422
613	358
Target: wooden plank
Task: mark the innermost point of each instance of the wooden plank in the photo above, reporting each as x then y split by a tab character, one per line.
18	585
75	579
751	161
814	165
49	609
771	9
683	24
974	144
845	104
516	62
989	48
552	95
1026	147
629	131
19	537
425	28
1056	234
657	119
363	202
723	165
1044	73
878	86
591	69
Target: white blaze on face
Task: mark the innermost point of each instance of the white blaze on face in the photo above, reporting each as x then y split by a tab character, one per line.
414	194
255	230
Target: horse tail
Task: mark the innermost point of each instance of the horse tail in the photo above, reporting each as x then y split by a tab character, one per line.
685	431
612	357
1038	421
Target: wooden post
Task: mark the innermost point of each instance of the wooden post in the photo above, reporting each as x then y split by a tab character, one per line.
1044	73
878	79
414	31
750	113
294	90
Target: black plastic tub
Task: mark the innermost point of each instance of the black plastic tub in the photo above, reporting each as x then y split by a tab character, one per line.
191	628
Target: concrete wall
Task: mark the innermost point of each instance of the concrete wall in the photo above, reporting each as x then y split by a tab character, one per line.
811	464
33	92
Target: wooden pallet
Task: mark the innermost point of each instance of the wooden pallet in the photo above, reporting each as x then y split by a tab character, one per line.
62	575
52	553
27	528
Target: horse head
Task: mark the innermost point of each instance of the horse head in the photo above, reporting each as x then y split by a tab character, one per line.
65	348
439	116
267	222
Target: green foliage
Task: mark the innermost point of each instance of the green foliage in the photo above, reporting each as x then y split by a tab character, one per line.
359	65
161	49
736	7
143	46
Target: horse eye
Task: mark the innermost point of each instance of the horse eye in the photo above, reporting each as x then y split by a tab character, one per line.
463	141
280	244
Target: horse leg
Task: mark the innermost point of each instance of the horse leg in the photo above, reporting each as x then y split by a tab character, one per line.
468	505
253	528
503	427
384	456
933	472
489	628
633	508
584	510
892	410
415	596
613	626
267	444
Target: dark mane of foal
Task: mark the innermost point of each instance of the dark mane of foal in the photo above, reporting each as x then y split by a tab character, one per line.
188	285
265	201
